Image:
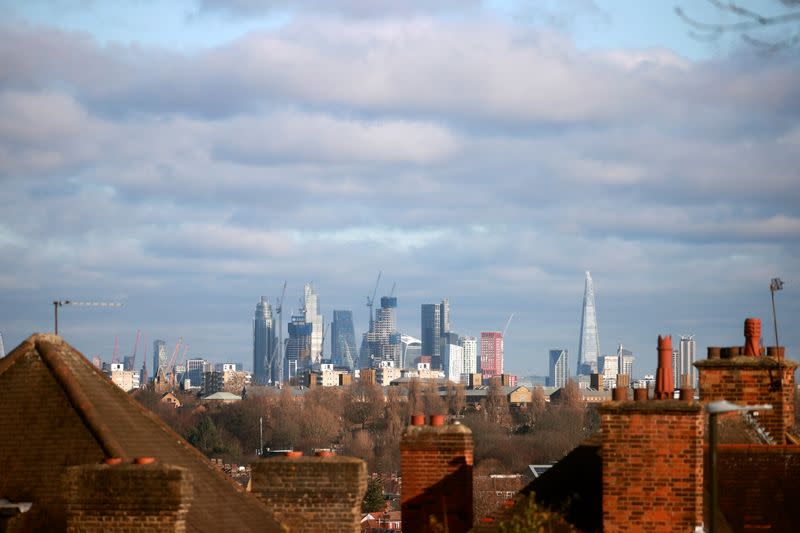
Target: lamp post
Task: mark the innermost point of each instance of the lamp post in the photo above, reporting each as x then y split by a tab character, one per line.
775	284
713	409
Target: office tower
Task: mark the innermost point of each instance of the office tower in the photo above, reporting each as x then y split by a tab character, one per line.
559	368
676	367
195	370
159	356
589	342
686	367
343	339
298	347
453	360
470	346
265	353
411	350
609	367
491	354
444	317
311	314
430	330
383	341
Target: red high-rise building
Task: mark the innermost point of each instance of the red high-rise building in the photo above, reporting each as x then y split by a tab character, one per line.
491	354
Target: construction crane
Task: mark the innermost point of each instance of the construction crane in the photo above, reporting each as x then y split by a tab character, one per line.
508	323
135	347
115	355
371	301
394	285
279	346
171	366
59	303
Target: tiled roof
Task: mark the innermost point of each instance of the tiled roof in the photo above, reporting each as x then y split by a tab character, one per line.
72	414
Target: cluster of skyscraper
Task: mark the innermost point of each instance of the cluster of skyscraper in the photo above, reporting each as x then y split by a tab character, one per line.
381	346
592	363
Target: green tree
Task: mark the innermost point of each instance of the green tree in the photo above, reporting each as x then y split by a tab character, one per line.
373	498
205	437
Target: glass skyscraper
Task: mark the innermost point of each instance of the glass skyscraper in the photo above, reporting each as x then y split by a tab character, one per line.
589	341
265	355
430	329
343	340
559	368
298	347
159	356
314	319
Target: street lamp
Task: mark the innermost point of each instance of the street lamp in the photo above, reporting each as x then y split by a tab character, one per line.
775	284
713	409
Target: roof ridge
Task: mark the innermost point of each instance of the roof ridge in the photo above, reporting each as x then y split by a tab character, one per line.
47	346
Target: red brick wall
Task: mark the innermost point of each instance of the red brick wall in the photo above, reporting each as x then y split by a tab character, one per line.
750	381
759	486
127	497
436	464
652	455
312	494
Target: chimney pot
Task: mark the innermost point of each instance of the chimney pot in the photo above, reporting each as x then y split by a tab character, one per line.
686	394
775	351
144	460
713	352
752	334
619	394
664	380
640	395
437	420
417	420
112	460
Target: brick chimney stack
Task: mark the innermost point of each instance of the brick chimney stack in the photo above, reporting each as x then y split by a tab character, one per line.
116	496
436	464
311	494
665	386
743	375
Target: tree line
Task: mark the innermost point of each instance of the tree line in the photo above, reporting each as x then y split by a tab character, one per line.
362	421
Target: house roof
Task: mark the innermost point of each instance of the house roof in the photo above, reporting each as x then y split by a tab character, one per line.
223	396
73	415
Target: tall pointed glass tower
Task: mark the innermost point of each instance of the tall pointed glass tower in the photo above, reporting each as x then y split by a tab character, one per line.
589	342
264	363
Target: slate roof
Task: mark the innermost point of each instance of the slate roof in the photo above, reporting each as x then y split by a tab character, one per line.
58	410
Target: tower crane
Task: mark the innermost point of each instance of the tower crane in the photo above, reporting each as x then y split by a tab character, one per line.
371	301
115	356
508	323
135	347
394	285
60	303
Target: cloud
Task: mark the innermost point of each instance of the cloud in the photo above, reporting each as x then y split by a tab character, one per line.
477	159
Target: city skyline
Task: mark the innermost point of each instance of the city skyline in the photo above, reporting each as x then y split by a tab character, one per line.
185	158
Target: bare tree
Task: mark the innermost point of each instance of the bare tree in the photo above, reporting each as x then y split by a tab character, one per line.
747	23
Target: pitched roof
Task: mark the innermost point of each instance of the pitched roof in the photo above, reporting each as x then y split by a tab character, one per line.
226	396
73	415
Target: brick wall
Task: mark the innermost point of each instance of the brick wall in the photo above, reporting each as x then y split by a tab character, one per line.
311	494
436	465
759	486
753	380
127	497
47	419
652	456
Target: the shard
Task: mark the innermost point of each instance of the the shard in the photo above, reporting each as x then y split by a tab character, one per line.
589	342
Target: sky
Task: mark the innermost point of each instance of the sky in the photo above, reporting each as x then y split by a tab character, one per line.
185	158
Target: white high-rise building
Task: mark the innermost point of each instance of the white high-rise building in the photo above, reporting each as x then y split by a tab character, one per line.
589	341
470	346
559	368
453	362
312	316
685	367
609	367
